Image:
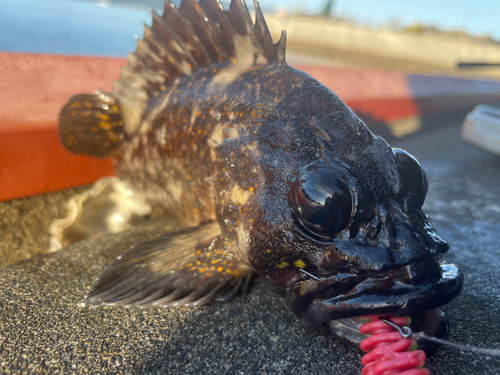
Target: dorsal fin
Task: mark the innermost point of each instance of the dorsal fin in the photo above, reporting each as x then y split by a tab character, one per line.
183	39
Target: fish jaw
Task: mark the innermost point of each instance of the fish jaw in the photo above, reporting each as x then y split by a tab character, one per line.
316	302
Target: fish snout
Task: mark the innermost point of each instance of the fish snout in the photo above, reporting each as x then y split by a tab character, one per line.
411	289
393	268
398	235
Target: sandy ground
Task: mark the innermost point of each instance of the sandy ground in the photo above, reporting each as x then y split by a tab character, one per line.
43	330
24	224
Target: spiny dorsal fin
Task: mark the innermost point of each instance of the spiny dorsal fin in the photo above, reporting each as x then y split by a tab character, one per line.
183	39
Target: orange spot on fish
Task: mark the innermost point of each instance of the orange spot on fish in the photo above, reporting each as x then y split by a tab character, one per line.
105	125
102	116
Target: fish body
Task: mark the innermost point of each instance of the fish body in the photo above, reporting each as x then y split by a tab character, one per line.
268	171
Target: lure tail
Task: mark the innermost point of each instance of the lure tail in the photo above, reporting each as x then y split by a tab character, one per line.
91	124
389	353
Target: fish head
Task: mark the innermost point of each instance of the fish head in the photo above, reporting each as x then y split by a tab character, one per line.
381	253
335	214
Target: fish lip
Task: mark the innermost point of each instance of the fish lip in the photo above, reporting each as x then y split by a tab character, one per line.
369	298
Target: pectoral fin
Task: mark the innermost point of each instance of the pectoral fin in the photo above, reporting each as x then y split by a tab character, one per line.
91	124
191	267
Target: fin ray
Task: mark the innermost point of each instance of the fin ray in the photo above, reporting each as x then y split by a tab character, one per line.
201	299
183	39
185	33
195	35
263	34
214	11
91	124
235	287
192	12
191	266
171	41
239	17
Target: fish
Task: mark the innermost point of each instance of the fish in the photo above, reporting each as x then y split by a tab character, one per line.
266	171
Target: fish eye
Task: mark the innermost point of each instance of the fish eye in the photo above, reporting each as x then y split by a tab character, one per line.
415	179
321	201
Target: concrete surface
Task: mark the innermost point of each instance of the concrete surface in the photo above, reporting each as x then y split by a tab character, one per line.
42	329
432	53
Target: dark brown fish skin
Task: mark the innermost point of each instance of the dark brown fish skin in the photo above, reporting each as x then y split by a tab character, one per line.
180	134
247	142
224	130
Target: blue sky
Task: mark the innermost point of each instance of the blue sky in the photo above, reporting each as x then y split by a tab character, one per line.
477	17
76	27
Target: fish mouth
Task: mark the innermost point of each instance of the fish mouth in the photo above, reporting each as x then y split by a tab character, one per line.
414	288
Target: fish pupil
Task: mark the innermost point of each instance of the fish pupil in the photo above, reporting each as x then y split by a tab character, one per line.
321	202
326	215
